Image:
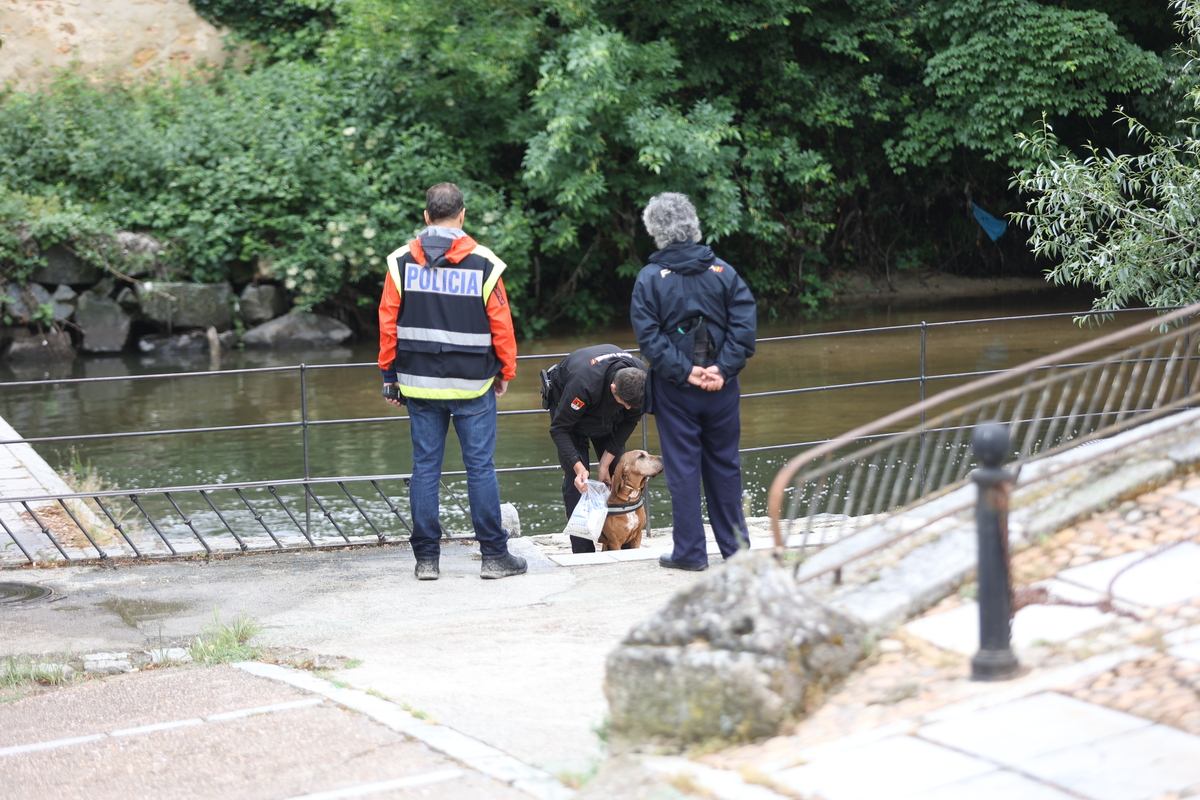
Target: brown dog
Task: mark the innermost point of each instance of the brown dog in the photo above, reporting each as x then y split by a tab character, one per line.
624	531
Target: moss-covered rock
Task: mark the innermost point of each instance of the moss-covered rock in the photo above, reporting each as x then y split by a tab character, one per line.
734	658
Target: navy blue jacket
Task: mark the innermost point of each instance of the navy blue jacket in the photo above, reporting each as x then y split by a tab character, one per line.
681	282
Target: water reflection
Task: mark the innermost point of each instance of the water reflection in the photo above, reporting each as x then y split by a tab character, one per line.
343	383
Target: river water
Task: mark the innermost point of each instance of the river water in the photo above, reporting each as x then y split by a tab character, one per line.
349	389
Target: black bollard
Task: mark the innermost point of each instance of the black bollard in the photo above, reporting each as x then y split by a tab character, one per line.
995	660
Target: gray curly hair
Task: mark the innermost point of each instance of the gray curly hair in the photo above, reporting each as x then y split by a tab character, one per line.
670	217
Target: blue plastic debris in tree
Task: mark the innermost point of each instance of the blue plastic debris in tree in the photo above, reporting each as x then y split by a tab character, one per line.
993	227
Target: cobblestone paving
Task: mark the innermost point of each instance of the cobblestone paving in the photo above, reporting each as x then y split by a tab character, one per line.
1158	687
907	676
1156	517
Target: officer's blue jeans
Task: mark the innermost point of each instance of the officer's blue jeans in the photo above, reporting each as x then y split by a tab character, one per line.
475	424
699	432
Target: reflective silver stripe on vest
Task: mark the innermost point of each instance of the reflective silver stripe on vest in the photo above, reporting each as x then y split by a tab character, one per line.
427	382
443	337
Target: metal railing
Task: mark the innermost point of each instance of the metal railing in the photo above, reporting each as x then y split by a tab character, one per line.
881	469
319	512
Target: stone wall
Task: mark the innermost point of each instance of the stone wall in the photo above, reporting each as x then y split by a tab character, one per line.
121	38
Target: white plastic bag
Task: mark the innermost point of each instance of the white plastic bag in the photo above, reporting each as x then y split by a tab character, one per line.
587	520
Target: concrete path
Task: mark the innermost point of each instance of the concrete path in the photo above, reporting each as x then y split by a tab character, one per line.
516	663
223	732
23	473
489	689
512	667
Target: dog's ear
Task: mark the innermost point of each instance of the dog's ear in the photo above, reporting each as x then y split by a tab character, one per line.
644	480
619	473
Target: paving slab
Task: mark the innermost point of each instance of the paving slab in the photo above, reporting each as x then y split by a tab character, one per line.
896	767
318	749
1136	765
135	700
581	559
999	785
517	663
1189	651
1165	578
1016	732
1183	635
1189	496
958	628
641	554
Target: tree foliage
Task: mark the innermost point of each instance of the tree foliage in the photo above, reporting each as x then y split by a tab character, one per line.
1127	223
998	67
815	137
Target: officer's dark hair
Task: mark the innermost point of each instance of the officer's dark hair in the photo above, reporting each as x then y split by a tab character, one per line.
631	385
443	201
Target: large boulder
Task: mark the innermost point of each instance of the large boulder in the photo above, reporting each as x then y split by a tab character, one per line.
21	302
63	267
137	253
64	301
39	348
736	657
298	329
104	323
186	305
190	342
261	303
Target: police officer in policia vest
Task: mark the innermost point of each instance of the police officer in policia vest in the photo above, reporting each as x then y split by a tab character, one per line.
594	394
447	351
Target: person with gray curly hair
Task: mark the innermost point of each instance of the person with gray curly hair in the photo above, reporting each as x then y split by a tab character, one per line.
695	321
670	218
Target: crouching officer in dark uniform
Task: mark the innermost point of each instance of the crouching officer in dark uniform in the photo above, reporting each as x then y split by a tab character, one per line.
594	394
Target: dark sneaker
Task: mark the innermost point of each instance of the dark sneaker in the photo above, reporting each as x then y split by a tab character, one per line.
427	569
665	561
502	566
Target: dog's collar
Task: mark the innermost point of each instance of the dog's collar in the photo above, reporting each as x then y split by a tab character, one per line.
632	505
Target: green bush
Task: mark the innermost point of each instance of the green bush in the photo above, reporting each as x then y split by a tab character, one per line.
289	28
29	224
251	166
813	137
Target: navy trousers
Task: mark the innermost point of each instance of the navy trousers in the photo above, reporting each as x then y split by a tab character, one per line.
699	432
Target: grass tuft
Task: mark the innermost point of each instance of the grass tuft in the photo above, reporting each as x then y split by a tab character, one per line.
220	644
416	713
23	673
689	786
576	779
758	778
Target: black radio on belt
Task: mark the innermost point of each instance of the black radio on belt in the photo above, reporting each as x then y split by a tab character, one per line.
702	349
547	387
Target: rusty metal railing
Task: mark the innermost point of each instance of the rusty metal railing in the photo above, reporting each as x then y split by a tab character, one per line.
921	452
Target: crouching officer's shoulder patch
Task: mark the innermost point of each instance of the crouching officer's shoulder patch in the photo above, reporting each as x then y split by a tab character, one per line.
717	268
577	404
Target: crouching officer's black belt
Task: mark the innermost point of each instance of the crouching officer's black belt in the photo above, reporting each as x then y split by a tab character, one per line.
625	509
547	388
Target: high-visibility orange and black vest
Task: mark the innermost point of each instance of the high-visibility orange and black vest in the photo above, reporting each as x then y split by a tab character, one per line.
444	347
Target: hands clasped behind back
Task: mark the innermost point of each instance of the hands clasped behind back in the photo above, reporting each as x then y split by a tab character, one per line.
709	379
